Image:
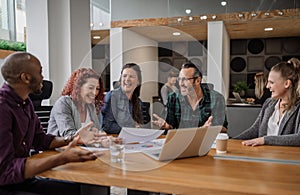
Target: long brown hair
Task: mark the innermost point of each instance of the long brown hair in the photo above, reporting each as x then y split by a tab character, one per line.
136	107
260	84
290	72
100	96
75	82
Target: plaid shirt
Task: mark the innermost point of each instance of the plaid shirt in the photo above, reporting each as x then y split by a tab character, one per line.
181	115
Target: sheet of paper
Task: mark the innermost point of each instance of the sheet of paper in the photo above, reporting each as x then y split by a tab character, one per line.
139	135
154	144
95	149
131	148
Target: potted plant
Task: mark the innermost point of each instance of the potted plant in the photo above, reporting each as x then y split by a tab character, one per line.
240	87
7	47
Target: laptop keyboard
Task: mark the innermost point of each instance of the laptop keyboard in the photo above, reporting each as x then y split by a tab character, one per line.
155	152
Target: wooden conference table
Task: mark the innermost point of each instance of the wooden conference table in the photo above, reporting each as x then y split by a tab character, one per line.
198	175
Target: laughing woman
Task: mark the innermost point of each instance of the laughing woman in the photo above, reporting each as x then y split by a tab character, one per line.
279	120
76	106
122	106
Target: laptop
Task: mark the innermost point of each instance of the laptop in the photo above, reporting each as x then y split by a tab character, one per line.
186	142
237	97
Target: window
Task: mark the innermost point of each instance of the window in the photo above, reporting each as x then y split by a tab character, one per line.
12	20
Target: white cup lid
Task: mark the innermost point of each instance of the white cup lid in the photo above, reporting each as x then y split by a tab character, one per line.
222	136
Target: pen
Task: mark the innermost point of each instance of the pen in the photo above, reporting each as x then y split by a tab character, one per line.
147	146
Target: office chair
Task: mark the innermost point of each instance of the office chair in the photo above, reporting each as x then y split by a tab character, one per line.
43	112
209	86
146	115
46	93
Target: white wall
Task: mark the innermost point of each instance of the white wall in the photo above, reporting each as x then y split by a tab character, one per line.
144	52
127	46
217	58
226	62
1	78
116	54
37	36
59	45
134	9
58	33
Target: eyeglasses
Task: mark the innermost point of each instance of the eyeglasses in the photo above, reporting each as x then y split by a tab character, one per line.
184	79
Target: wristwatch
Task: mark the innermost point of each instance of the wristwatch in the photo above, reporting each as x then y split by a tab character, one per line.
68	139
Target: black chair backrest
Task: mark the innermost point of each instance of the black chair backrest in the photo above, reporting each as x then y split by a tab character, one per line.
209	86
145	110
43	113
46	93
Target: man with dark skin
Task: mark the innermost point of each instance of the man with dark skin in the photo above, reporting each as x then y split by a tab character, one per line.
20	131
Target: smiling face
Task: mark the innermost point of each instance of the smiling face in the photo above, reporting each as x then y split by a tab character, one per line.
129	80
36	77
187	82
278	85
89	90
172	80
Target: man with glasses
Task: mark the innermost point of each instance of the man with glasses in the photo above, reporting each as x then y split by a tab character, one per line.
195	105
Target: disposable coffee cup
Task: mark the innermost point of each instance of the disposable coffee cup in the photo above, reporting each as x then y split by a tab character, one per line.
221	143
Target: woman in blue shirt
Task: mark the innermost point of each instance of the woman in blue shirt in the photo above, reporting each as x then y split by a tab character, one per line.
122	106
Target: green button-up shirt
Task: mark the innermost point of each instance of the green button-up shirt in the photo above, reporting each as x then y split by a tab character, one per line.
181	115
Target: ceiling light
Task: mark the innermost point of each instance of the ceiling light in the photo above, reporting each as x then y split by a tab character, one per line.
280	13
178	19
267	14
268	29
176	33
188	11
91	24
203	17
214	17
241	15
253	14
191	18
96	37
100	24
223	3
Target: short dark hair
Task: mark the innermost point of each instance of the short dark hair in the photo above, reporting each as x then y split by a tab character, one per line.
15	64
173	74
197	72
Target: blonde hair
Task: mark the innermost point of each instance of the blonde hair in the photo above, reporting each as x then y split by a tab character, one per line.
290	71
296	63
260	83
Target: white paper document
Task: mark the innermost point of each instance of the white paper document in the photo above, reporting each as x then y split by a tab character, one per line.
139	135
131	148
154	144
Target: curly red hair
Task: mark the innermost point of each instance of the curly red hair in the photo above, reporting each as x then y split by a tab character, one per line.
76	80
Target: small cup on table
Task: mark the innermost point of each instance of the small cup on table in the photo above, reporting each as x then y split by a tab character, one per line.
117	149
221	142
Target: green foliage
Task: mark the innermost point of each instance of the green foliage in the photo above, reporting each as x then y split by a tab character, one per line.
240	86
12	45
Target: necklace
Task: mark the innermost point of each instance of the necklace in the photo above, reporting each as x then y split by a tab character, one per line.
283	105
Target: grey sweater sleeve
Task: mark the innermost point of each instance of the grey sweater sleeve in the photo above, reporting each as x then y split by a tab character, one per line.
289	129
256	128
63	121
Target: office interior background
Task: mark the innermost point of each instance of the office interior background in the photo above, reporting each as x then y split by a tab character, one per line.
229	40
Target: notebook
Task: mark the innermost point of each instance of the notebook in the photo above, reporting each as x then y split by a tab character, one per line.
187	142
